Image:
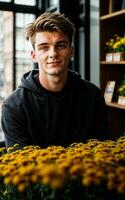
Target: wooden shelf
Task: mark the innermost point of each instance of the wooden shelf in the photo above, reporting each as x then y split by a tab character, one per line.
112	19
112	63
113	15
116	105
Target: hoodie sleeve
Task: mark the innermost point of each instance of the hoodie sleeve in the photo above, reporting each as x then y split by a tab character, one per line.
13	127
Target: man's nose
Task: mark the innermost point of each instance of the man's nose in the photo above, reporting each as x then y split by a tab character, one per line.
52	52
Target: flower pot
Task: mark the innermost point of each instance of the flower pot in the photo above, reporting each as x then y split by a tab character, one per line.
119	56
121	100
109	57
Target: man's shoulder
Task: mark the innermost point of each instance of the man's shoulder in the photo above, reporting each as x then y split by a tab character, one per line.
84	84
15	98
80	82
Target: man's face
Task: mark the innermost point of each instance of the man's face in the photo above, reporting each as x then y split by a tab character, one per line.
52	52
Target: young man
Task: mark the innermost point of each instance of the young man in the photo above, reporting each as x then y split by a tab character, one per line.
53	105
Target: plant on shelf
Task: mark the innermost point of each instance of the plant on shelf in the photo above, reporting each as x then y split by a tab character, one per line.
119	45
115	48
109	45
121	88
121	92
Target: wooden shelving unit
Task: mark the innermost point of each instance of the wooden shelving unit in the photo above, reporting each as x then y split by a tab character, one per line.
116	105
112	20
112	63
114	15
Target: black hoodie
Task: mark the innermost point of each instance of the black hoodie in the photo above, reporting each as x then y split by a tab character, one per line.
31	115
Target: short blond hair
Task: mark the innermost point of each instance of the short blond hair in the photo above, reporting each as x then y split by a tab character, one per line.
50	22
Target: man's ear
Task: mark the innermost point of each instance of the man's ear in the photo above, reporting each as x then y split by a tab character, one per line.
33	55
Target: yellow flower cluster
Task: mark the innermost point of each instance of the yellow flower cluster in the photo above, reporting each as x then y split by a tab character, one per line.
121	90
93	163
121	87
119	45
115	44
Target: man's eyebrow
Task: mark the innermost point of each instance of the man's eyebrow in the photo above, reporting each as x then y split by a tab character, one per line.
46	43
62	41
42	44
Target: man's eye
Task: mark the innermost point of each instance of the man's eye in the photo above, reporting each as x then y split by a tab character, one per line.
44	48
61	46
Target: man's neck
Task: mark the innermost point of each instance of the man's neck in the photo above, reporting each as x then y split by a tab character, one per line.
53	83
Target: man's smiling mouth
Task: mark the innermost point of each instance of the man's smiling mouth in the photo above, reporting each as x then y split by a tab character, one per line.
53	62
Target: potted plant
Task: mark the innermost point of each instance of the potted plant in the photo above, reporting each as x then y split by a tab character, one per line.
121	92
109	47
119	49
115	48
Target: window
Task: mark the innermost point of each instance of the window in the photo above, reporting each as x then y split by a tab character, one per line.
5	0
25	2
53	2
6	53
23	60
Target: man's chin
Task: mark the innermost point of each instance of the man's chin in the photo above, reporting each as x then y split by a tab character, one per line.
55	72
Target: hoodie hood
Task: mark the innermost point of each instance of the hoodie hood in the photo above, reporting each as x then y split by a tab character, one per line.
28	80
